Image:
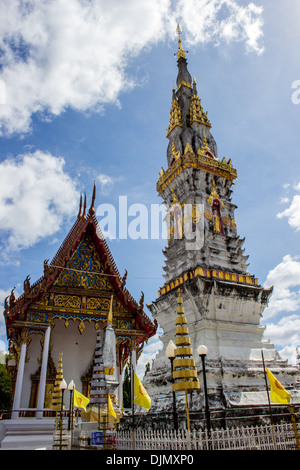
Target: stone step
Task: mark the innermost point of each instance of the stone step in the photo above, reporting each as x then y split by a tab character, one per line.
27	434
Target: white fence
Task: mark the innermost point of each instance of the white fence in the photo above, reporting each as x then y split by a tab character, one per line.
280	437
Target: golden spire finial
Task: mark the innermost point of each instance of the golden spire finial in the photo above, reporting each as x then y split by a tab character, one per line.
180	52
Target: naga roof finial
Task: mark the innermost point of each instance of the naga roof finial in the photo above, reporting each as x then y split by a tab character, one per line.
80	208
92	208
84	207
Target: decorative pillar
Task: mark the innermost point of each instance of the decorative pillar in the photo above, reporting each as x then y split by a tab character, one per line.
133	370
19	381
42	386
120	386
133	360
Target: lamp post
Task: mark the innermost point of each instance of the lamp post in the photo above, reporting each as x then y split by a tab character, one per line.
62	386
71	387
202	351
170	353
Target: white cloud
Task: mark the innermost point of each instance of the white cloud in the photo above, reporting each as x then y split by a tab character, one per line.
35	198
3	347
75	53
107	182
284	306
286	331
222	20
284	200
292	213
285	278
149	352
70	53
286	336
290	353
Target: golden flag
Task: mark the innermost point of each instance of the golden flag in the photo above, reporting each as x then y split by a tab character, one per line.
278	392
80	400
141	397
111	410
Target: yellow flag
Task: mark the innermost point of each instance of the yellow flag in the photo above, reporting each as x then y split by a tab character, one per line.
80	400
111	410
141	397
278	392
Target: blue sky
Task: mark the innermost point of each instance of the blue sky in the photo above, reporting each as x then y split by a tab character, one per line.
85	95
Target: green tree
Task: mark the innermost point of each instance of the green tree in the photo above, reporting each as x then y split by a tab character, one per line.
5	389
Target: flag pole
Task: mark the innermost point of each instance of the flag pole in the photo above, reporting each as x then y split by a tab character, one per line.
132	399
294	426
187	410
270	408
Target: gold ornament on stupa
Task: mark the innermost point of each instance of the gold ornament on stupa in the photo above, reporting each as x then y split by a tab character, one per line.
57	393
184	367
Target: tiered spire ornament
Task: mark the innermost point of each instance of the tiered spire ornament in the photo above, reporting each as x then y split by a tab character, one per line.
98	391
109	347
175	115
184	371
184	367
103	382
104	363
196	111
56	395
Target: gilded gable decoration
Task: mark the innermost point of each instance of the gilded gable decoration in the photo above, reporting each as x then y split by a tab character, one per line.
84	269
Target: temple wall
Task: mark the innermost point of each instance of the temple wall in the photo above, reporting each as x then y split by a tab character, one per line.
31	367
77	349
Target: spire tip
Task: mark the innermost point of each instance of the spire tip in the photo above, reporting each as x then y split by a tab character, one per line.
180	52
92	208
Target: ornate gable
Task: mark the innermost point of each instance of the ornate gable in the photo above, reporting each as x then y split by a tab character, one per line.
84	270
